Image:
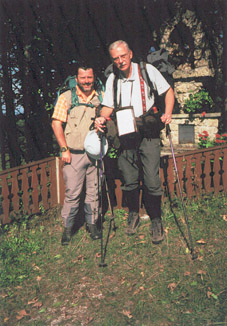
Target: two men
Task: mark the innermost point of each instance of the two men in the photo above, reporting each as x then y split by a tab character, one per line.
123	89
127	88
78	166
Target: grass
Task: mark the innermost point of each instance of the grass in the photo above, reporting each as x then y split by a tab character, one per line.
43	283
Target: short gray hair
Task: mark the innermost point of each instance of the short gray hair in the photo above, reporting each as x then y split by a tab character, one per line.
115	44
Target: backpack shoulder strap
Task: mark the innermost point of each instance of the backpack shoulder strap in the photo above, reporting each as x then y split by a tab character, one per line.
146	78
116	77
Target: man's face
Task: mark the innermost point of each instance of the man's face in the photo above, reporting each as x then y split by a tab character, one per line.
85	80
121	57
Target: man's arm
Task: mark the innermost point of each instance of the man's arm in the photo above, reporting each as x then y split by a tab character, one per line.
169	104
59	134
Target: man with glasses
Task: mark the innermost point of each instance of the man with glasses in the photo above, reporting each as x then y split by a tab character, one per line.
127	89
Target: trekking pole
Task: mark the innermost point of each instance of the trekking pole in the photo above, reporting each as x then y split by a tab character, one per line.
102	263
109	201
168	133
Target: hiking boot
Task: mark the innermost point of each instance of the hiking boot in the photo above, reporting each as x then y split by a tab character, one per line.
66	236
133	223
95	234
156	231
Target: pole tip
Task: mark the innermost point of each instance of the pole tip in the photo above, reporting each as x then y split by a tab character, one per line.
102	264
194	256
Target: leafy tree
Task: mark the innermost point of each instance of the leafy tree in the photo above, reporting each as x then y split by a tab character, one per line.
43	40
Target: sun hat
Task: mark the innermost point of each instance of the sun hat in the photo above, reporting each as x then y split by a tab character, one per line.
92	145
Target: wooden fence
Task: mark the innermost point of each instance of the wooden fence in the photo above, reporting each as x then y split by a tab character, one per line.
27	189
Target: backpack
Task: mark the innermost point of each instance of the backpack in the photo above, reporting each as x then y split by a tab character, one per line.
70	84
159	59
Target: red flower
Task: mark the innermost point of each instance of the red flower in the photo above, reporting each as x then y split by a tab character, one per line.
219	141
204	138
218	136
205	133
224	135
203	114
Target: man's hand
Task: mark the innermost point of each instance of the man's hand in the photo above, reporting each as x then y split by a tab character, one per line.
66	156
100	123
166	118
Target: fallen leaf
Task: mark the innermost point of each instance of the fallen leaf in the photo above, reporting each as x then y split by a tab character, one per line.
33	300
127	313
21	314
143	226
201	241
141	236
224	217
200	258
172	286
200	272
6	319
36	268
136	291
57	256
3	295
209	294
187	273
142	274
81	257
89	319
38	278
37	305
150	295
214	296
112	235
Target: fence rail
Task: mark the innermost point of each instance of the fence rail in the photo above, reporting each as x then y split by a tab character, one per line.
40	184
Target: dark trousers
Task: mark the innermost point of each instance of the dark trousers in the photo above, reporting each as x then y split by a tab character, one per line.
143	163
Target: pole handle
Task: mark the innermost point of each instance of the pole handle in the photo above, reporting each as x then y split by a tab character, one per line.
168	130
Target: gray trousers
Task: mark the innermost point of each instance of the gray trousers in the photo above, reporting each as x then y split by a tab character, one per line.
148	154
80	170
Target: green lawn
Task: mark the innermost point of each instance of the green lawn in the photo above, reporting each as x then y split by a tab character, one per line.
43	283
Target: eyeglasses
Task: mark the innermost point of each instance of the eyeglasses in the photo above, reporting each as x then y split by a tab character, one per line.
123	56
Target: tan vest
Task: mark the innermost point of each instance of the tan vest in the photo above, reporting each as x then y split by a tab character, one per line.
79	121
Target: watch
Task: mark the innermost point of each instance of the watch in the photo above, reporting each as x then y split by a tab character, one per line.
64	149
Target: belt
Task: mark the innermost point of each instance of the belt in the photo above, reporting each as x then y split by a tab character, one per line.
76	151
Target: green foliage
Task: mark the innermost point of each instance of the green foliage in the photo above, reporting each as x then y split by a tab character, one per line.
18	246
112	153
199	102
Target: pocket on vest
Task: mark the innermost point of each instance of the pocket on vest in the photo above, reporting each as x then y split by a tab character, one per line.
74	140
